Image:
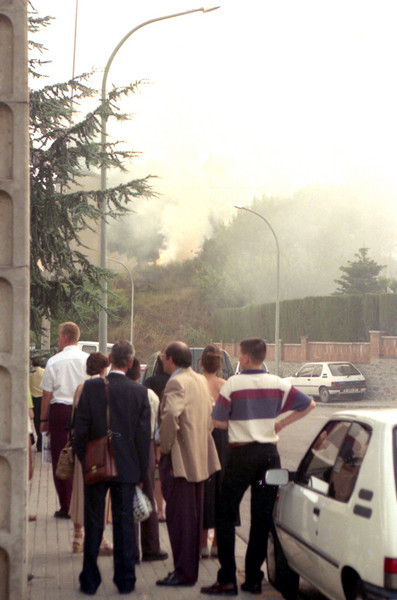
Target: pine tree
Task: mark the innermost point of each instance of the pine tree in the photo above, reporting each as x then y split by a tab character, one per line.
63	149
360	276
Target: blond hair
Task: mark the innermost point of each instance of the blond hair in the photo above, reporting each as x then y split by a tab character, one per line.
71	331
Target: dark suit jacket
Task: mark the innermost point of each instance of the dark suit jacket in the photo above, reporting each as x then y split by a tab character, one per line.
129	422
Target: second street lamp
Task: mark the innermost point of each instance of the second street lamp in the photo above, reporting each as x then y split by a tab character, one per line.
103	322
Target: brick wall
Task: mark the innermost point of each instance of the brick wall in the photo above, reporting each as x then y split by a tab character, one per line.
379	346
376	360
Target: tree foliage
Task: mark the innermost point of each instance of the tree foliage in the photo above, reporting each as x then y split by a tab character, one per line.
64	149
360	276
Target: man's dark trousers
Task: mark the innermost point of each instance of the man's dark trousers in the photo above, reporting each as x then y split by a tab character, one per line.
184	511
122	495
246	466
58	420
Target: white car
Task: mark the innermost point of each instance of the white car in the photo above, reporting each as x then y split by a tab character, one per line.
90	347
326	379
335	520
237	369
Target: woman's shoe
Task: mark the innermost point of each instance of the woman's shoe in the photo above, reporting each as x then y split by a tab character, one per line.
106	548
77	546
78	542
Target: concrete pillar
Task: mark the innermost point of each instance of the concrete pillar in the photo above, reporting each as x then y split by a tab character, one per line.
304	348
375	341
280	350
14	297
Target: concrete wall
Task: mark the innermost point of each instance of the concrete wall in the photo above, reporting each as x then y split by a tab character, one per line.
14	296
379	346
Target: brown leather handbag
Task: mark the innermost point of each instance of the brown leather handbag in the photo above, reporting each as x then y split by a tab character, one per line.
100	464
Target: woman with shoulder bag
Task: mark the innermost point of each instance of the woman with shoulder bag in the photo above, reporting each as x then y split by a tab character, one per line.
97	364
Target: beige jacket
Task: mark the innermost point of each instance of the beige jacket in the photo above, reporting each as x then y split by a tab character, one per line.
186	425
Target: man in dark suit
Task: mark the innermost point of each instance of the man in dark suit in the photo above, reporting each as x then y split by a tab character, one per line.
130	424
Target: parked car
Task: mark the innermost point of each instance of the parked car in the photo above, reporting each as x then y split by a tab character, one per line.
335	519
143	369
326	379
90	347
237	369
227	369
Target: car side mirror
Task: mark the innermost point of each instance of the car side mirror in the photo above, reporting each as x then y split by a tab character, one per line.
277	477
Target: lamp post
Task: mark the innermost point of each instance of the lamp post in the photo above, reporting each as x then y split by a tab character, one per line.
103	321
277	318
132	297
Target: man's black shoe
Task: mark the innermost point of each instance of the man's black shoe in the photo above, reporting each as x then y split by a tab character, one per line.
172	580
151	556
88	591
126	590
61	514
220	589
254	588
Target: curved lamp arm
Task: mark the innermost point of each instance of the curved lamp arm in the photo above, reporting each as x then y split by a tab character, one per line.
277	316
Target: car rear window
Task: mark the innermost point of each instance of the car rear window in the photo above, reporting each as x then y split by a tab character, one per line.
343	369
332	464
348	463
88	348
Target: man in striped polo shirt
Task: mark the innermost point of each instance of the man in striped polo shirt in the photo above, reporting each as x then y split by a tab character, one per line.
248	406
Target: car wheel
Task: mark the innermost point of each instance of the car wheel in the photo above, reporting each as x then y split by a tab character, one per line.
358	592
324	394
279	573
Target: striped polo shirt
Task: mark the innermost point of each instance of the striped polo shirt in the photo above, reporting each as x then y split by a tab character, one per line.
251	401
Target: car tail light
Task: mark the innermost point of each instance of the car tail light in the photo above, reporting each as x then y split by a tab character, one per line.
391	573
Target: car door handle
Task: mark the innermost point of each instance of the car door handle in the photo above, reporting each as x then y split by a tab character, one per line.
316	511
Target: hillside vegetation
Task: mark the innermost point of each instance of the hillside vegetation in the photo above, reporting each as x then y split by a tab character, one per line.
166	308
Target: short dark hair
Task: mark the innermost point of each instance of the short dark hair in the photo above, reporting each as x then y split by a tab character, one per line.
180	354
96	362
36	361
255	348
134	372
121	354
212	358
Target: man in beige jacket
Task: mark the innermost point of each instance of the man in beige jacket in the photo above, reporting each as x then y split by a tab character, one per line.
189	457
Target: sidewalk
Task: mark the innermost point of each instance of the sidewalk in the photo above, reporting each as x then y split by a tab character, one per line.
56	569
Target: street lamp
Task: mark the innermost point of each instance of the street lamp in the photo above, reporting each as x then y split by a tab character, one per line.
277	319
103	320
132	297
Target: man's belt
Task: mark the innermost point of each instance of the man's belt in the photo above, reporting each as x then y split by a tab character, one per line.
239	444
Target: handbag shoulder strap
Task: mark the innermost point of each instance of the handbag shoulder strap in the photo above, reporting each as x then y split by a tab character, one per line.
106	381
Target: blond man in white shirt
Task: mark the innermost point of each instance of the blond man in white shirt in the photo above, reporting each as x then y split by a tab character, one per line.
63	373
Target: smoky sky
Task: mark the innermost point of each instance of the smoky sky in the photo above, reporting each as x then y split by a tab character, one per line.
318	229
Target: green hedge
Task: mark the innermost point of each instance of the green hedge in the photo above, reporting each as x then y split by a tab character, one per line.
341	318
388	313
